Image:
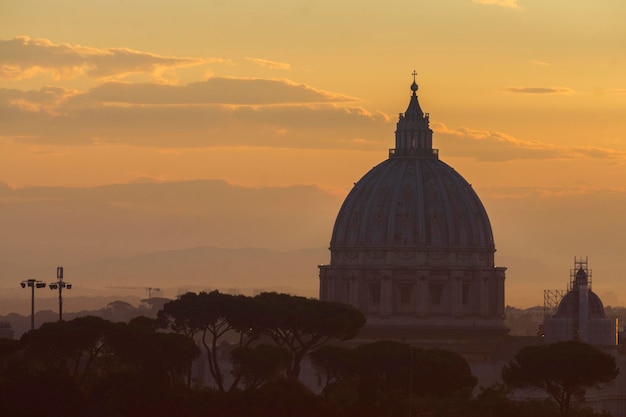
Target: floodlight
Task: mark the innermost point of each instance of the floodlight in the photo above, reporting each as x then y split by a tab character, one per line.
32	283
59	285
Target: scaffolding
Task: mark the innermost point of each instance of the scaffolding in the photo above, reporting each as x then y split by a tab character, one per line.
551	300
579	263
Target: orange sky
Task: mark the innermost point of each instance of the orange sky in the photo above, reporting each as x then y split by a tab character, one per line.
526	99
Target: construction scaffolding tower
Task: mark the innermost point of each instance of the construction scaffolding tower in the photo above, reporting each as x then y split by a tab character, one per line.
579	263
551	300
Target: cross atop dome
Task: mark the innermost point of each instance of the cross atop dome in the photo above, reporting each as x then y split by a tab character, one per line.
414	86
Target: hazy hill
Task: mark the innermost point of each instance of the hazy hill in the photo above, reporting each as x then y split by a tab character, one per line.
207	267
211	234
245	270
42	225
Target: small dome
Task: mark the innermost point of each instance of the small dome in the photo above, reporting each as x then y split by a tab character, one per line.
569	305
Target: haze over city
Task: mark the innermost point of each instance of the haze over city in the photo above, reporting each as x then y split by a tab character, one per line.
146	143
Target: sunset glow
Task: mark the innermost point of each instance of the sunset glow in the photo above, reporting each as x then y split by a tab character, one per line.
527	101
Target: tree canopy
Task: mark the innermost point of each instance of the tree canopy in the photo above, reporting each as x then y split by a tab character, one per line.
297	324
303	324
563	369
386	378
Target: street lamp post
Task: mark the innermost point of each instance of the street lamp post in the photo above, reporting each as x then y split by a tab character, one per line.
32	283
59	285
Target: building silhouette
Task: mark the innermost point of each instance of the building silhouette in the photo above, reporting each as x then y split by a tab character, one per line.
580	313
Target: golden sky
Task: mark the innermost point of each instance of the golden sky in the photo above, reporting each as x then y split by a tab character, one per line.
527	99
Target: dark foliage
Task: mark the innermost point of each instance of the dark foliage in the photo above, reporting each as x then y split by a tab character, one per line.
302	325
388	378
563	369
90	367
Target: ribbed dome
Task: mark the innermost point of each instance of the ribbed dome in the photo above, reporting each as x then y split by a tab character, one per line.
569	305
413	202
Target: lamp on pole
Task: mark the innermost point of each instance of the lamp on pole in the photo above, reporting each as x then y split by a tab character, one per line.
32	283
59	285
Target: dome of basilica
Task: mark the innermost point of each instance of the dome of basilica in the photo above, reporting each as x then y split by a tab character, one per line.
413	200
413	203
412	246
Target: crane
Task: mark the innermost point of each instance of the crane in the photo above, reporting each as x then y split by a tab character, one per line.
148	289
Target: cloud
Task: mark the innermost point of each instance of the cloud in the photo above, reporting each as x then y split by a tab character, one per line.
218	112
217	90
47	99
504	3
270	64
539	90
602	91
239	112
23	57
494	146
541	63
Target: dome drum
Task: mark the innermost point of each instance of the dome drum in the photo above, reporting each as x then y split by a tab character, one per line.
409	257
415	292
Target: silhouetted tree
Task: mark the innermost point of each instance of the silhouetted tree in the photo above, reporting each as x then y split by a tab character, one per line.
70	347
336	364
392	376
136	348
302	325
259	365
384	378
563	369
211	315
440	372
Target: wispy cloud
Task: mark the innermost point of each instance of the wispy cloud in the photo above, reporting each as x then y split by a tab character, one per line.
217	90
541	63
23	57
242	112
269	64
504	3
46	100
499	147
218	112
539	90
602	91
